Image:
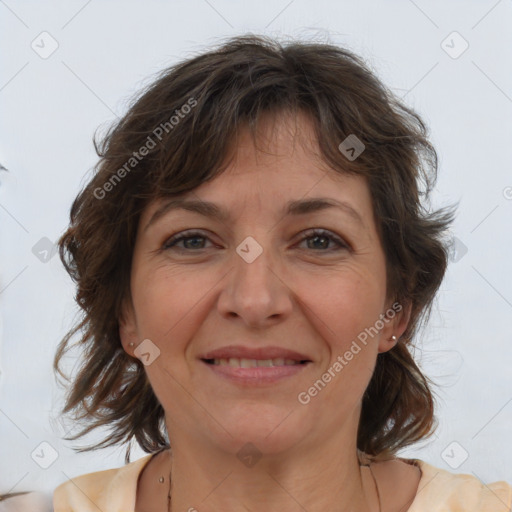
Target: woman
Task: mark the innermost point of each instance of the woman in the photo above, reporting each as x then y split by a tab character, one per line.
253	262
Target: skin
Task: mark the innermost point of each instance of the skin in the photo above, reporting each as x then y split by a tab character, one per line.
304	294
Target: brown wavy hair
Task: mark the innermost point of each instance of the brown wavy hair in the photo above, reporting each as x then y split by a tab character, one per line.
225	89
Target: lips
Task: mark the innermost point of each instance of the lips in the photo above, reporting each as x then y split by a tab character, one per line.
258	354
254	367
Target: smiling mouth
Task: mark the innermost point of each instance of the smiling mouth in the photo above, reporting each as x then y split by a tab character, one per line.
235	362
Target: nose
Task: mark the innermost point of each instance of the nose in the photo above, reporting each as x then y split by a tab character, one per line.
256	291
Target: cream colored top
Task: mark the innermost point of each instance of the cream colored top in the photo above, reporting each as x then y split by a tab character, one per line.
31	502
114	490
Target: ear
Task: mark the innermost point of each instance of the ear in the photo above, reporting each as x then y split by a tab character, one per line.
128	328
395	319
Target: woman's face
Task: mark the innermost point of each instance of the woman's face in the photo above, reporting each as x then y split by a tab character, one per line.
291	270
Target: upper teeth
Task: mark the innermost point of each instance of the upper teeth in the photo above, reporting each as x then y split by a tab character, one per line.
254	363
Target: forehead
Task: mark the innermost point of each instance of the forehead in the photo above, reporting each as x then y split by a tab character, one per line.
279	161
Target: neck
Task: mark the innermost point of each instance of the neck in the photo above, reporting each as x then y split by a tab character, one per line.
327	478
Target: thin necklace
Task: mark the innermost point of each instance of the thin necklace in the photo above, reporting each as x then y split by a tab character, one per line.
169	495
162	480
375	483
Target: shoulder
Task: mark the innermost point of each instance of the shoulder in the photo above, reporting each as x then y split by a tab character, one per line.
440	490
34	501
112	489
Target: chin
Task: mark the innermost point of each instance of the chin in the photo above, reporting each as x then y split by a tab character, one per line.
271	429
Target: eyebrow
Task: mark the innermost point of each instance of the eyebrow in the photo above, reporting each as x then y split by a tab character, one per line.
214	211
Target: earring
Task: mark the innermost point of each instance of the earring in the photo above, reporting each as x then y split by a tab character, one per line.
131	344
393	337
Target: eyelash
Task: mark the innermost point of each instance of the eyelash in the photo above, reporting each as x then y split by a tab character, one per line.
185	235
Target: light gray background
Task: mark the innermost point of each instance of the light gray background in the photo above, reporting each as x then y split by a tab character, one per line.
107	50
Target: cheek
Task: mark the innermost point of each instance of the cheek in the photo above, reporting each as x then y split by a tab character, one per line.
165	302
343	308
163	298
346	302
